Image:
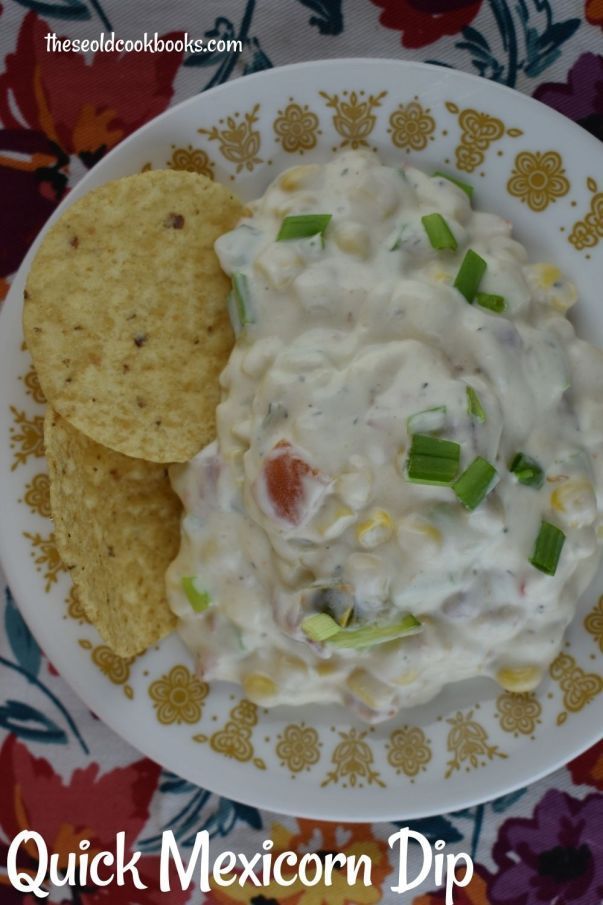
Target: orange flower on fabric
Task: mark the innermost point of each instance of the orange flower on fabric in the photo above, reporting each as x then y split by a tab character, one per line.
594	12
322	838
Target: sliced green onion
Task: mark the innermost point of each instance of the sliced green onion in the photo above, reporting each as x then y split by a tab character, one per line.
303	226
495	303
432	460
527	470
475	483
427	421
470	274
547	548
438	232
239	308
468	189
367	635
474	406
320	627
397	242
199	600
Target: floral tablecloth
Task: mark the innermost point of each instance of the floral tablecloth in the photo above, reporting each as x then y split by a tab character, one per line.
64	773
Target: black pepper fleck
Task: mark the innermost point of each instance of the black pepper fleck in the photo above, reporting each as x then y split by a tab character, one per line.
175	221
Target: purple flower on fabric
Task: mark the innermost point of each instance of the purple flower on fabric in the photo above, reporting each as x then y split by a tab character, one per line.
581	97
554	857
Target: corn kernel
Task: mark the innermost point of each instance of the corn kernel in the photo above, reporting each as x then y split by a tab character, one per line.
326	667
376	530
297	177
334	519
353	239
289	666
519	679
406	678
575	500
415	524
354	487
258	687
279	265
368	689
548	274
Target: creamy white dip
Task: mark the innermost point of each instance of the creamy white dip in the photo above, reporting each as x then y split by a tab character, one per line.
303	504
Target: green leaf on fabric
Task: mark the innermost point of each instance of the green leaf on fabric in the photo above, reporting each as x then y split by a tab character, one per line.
61	9
28	723
23	644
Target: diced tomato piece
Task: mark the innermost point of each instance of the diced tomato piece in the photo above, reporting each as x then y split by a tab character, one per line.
285	477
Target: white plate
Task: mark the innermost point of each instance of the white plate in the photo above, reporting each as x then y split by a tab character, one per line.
528	164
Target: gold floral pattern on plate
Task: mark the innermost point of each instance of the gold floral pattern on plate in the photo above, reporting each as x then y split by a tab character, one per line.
353	759
296	128
298	747
31	382
411	126
354	119
587	232
593	623
46	557
408	750
518	713
37	495
26	437
178	696
538	179
75	610
234	739
116	669
579	687
239	142
191	160
468	742
478	132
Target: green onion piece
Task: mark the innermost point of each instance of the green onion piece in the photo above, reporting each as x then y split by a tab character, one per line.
368	635
303	226
438	232
470	274
199	600
475	483
320	627
547	548
239	301
495	303
474	406
432	460
427	421
527	470
468	189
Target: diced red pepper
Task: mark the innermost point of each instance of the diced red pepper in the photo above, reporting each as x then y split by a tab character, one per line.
285	474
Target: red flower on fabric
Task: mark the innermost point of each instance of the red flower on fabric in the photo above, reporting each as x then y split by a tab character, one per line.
424	21
32	182
85	108
89	806
588	768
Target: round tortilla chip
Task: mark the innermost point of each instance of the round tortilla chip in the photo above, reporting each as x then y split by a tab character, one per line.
125	313
117	529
